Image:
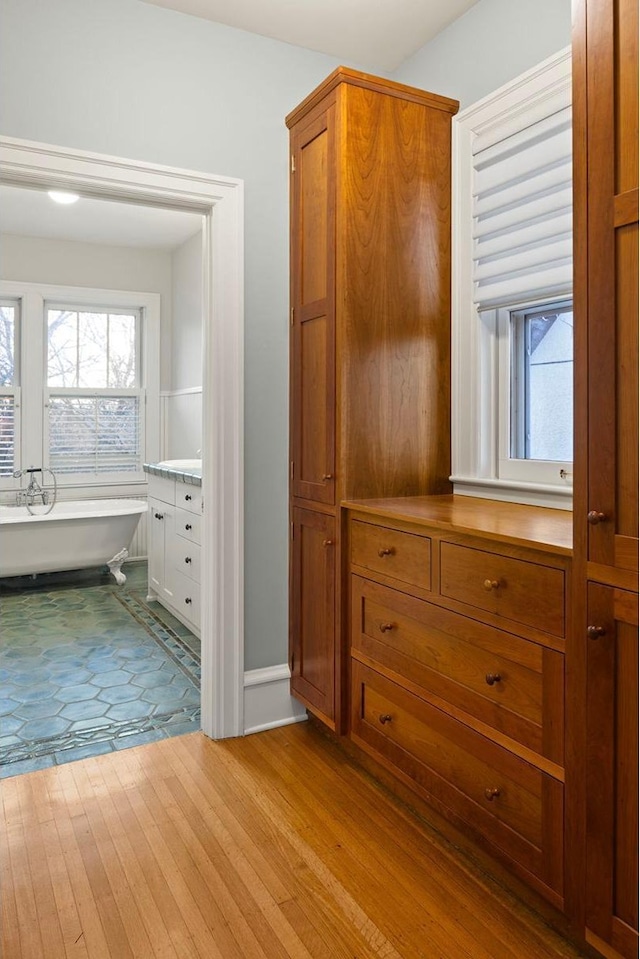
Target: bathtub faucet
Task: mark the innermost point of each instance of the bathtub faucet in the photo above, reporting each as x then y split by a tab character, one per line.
34	489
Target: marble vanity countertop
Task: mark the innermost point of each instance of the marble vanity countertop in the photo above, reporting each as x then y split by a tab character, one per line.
184	471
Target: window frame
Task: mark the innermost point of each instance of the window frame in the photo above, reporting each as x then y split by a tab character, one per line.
478	342
34	299
15	389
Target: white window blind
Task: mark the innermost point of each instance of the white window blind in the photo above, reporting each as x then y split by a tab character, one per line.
522	214
94	434
7	435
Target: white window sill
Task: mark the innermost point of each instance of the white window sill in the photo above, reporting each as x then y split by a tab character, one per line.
512	491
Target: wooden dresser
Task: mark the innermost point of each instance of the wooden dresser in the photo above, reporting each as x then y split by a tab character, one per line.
459	609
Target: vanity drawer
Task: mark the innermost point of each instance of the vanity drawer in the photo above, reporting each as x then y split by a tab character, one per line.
185	557
162	489
186	596
512	685
511	804
189	497
187	525
516	590
403	556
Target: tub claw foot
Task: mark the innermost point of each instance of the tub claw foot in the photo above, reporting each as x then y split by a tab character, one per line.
115	566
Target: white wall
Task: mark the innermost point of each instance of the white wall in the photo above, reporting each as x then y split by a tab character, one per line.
68	263
134	80
184	409
495	41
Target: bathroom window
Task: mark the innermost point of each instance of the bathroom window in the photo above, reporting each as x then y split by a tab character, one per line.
9	386
93	395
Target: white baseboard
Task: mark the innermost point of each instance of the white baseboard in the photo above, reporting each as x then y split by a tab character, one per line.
267	701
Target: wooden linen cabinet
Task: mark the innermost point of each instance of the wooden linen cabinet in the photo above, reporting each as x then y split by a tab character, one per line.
370	184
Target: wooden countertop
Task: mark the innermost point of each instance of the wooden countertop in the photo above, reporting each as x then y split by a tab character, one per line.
514	523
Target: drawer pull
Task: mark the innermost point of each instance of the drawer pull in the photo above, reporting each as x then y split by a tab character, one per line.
595	632
327	542
187	559
385	718
187	497
187	525
492	678
385	627
188	601
490	584
594	517
326	477
158	515
386	551
491	794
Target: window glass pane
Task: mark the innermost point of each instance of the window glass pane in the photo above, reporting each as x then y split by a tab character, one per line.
7	345
7	435
548	378
94	434
62	348
93	347
122	372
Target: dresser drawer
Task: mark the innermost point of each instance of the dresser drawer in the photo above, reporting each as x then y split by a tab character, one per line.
515	807
512	685
187	525
185	557
403	556
186	596
189	497
516	590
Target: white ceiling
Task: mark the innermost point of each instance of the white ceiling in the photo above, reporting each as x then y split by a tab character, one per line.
33	213
379	33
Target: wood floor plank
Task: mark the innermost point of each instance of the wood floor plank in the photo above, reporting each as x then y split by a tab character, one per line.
274	846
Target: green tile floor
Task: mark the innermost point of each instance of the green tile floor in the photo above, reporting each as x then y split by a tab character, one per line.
87	667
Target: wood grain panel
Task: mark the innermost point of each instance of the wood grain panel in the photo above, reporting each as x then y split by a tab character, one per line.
628	427
403	556
394	310
626	99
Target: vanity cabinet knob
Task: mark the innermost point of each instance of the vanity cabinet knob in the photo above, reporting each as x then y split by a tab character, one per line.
491	793
188	601
385	627
187	525
187	497
595	632
594	517
385	718
158	515
187	559
490	584
492	678
386	551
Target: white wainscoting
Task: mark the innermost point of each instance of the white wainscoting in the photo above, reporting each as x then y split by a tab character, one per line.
267	701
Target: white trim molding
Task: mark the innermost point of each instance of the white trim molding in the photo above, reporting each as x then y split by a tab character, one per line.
268	702
541	92
220	201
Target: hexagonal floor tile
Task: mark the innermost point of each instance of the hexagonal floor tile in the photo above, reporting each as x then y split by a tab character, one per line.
75	694
120	694
134	710
89	709
115	677
44	728
48	707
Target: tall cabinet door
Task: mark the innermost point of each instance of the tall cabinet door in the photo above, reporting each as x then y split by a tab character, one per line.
313	611
612	279
612	769
313	310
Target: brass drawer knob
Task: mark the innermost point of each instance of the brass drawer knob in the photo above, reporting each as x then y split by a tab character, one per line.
492	678
386	551
385	627
385	718
594	517
490	584
491	793
595	632
327	542
326	477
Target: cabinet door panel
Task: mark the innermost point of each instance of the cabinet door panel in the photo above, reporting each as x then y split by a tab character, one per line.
313	328
313	611
612	767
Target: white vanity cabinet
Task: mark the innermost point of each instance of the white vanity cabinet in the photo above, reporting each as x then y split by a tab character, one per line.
175	516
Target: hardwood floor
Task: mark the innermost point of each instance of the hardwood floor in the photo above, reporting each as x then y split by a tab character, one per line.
266	847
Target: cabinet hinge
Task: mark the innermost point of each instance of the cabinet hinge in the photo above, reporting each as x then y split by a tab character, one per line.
293	163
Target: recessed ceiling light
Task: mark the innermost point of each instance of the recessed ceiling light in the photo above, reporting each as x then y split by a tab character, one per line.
60	196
